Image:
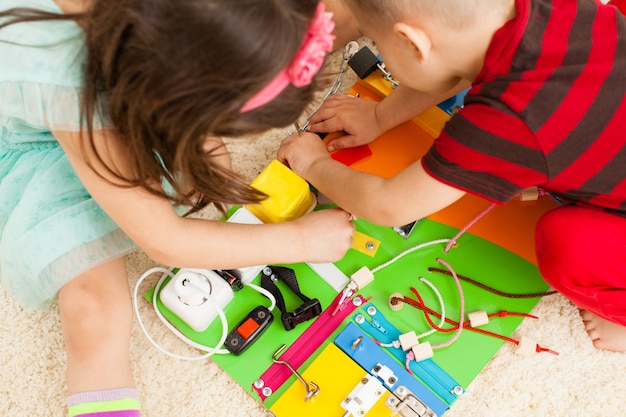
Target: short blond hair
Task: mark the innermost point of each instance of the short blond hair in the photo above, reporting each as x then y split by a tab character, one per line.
456	13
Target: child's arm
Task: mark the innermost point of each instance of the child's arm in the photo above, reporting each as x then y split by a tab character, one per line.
171	240
409	196
365	120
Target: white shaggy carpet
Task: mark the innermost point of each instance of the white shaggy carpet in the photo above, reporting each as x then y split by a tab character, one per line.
581	382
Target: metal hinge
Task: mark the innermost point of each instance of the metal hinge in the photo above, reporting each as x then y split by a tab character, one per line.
404	403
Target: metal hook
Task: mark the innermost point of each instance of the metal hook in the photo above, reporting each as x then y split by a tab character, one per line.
310	392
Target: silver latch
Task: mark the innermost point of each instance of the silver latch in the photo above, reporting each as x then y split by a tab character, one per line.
404	403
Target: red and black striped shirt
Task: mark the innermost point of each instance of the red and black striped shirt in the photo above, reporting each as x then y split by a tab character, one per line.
547	109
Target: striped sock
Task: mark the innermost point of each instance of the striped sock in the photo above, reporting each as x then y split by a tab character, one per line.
122	402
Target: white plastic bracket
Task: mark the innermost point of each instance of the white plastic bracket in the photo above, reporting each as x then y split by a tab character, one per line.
363	397
385	374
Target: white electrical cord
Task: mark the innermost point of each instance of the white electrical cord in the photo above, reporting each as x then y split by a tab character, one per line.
266	293
210	350
409	250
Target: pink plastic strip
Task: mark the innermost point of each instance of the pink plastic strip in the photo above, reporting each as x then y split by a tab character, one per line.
303	347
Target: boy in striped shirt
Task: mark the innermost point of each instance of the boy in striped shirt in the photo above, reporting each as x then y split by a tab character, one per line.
546	108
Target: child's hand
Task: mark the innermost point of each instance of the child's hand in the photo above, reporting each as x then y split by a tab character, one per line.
356	117
300	150
327	234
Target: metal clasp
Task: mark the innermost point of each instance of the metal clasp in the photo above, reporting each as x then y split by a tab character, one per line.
404	403
308	310
312	389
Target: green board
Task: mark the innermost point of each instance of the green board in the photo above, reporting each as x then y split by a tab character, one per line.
473	257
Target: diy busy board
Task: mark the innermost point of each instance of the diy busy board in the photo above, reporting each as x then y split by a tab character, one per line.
377	333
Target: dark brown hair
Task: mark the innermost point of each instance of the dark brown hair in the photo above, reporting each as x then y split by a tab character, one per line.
167	73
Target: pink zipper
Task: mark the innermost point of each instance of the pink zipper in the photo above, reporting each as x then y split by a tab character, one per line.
304	346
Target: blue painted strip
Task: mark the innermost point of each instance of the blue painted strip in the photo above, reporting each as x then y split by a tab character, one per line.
427	370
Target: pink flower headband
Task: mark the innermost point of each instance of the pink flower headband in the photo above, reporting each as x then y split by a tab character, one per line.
307	62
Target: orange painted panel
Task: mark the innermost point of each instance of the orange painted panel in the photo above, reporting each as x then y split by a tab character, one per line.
511	226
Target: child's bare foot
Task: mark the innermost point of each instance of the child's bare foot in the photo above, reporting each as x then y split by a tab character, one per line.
604	334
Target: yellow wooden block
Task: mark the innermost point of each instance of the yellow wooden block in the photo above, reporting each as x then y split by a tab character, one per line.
365	244
336	374
289	196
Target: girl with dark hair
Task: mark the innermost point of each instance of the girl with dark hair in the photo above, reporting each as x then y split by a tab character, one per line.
110	115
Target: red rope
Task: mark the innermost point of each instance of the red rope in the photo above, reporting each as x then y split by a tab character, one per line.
427	311
466	325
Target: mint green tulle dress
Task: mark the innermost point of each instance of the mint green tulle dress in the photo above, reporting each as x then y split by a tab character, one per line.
51	230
